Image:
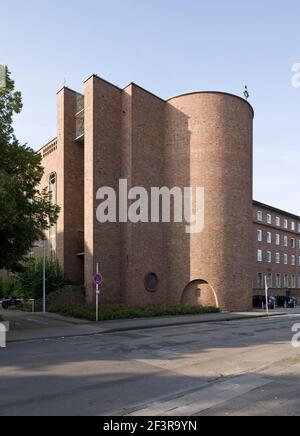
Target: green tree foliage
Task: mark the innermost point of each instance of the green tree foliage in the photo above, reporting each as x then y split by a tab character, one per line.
28	283
25	210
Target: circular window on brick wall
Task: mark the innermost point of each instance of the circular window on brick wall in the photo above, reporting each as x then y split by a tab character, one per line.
151	282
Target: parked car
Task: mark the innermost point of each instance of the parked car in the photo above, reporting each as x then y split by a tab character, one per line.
12	301
259	302
283	301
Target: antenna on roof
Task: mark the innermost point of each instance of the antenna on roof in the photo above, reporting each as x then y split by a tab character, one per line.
65	82
246	93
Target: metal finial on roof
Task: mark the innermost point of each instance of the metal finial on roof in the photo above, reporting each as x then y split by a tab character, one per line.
246	93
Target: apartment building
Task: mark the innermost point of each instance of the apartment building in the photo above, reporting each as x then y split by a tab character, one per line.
277	250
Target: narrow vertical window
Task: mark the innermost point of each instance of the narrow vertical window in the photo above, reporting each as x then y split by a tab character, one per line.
278	281
259	235
259	216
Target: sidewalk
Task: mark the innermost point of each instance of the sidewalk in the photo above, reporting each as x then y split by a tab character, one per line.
28	327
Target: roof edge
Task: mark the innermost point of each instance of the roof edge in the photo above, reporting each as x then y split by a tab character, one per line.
69	89
145	90
102	80
48	143
213	92
275	209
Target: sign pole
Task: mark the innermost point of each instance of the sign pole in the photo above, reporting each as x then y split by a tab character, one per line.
44	277
98	280
267	297
97	294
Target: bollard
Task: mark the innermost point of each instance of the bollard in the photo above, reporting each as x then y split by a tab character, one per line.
2	335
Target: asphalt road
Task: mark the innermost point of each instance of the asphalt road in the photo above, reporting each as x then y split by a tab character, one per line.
244	367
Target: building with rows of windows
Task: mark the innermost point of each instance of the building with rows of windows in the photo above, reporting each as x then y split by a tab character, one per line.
277	250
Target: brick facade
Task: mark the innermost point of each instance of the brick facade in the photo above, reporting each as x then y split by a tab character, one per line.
277	250
200	139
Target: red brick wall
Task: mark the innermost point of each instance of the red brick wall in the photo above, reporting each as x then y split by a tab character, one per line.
201	139
209	144
67	162
73	183
274	268
102	168
143	164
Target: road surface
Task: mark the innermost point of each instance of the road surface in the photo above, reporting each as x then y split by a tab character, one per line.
241	367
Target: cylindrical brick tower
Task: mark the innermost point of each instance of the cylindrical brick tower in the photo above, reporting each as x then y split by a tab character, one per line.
209	144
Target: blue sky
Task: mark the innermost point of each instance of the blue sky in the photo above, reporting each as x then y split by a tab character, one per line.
168	47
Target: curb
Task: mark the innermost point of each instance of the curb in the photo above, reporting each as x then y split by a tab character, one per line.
148	327
175	324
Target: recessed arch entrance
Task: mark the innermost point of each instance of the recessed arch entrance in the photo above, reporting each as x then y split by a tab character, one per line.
199	293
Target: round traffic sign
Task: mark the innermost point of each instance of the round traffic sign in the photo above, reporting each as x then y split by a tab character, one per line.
98	279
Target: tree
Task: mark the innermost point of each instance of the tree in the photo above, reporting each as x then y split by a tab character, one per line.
26	211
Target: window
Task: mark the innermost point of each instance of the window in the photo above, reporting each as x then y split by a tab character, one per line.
293	260
286	282
286	259
286	241
299	228
277	258
259	235
259	255
286	224
298	260
298	244
293	243
260	281
293	281
151	282
293	226
278	281
269	257
269	238
259	216
269	219
298	281
278	222
277	239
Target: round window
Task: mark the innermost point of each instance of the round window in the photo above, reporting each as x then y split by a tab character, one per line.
151	282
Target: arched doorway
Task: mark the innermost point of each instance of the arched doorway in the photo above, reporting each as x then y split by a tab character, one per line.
199	293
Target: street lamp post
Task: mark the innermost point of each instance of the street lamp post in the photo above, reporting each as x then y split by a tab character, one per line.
267	293
43	246
44	277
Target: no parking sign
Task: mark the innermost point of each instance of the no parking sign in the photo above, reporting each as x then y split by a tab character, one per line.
98	279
